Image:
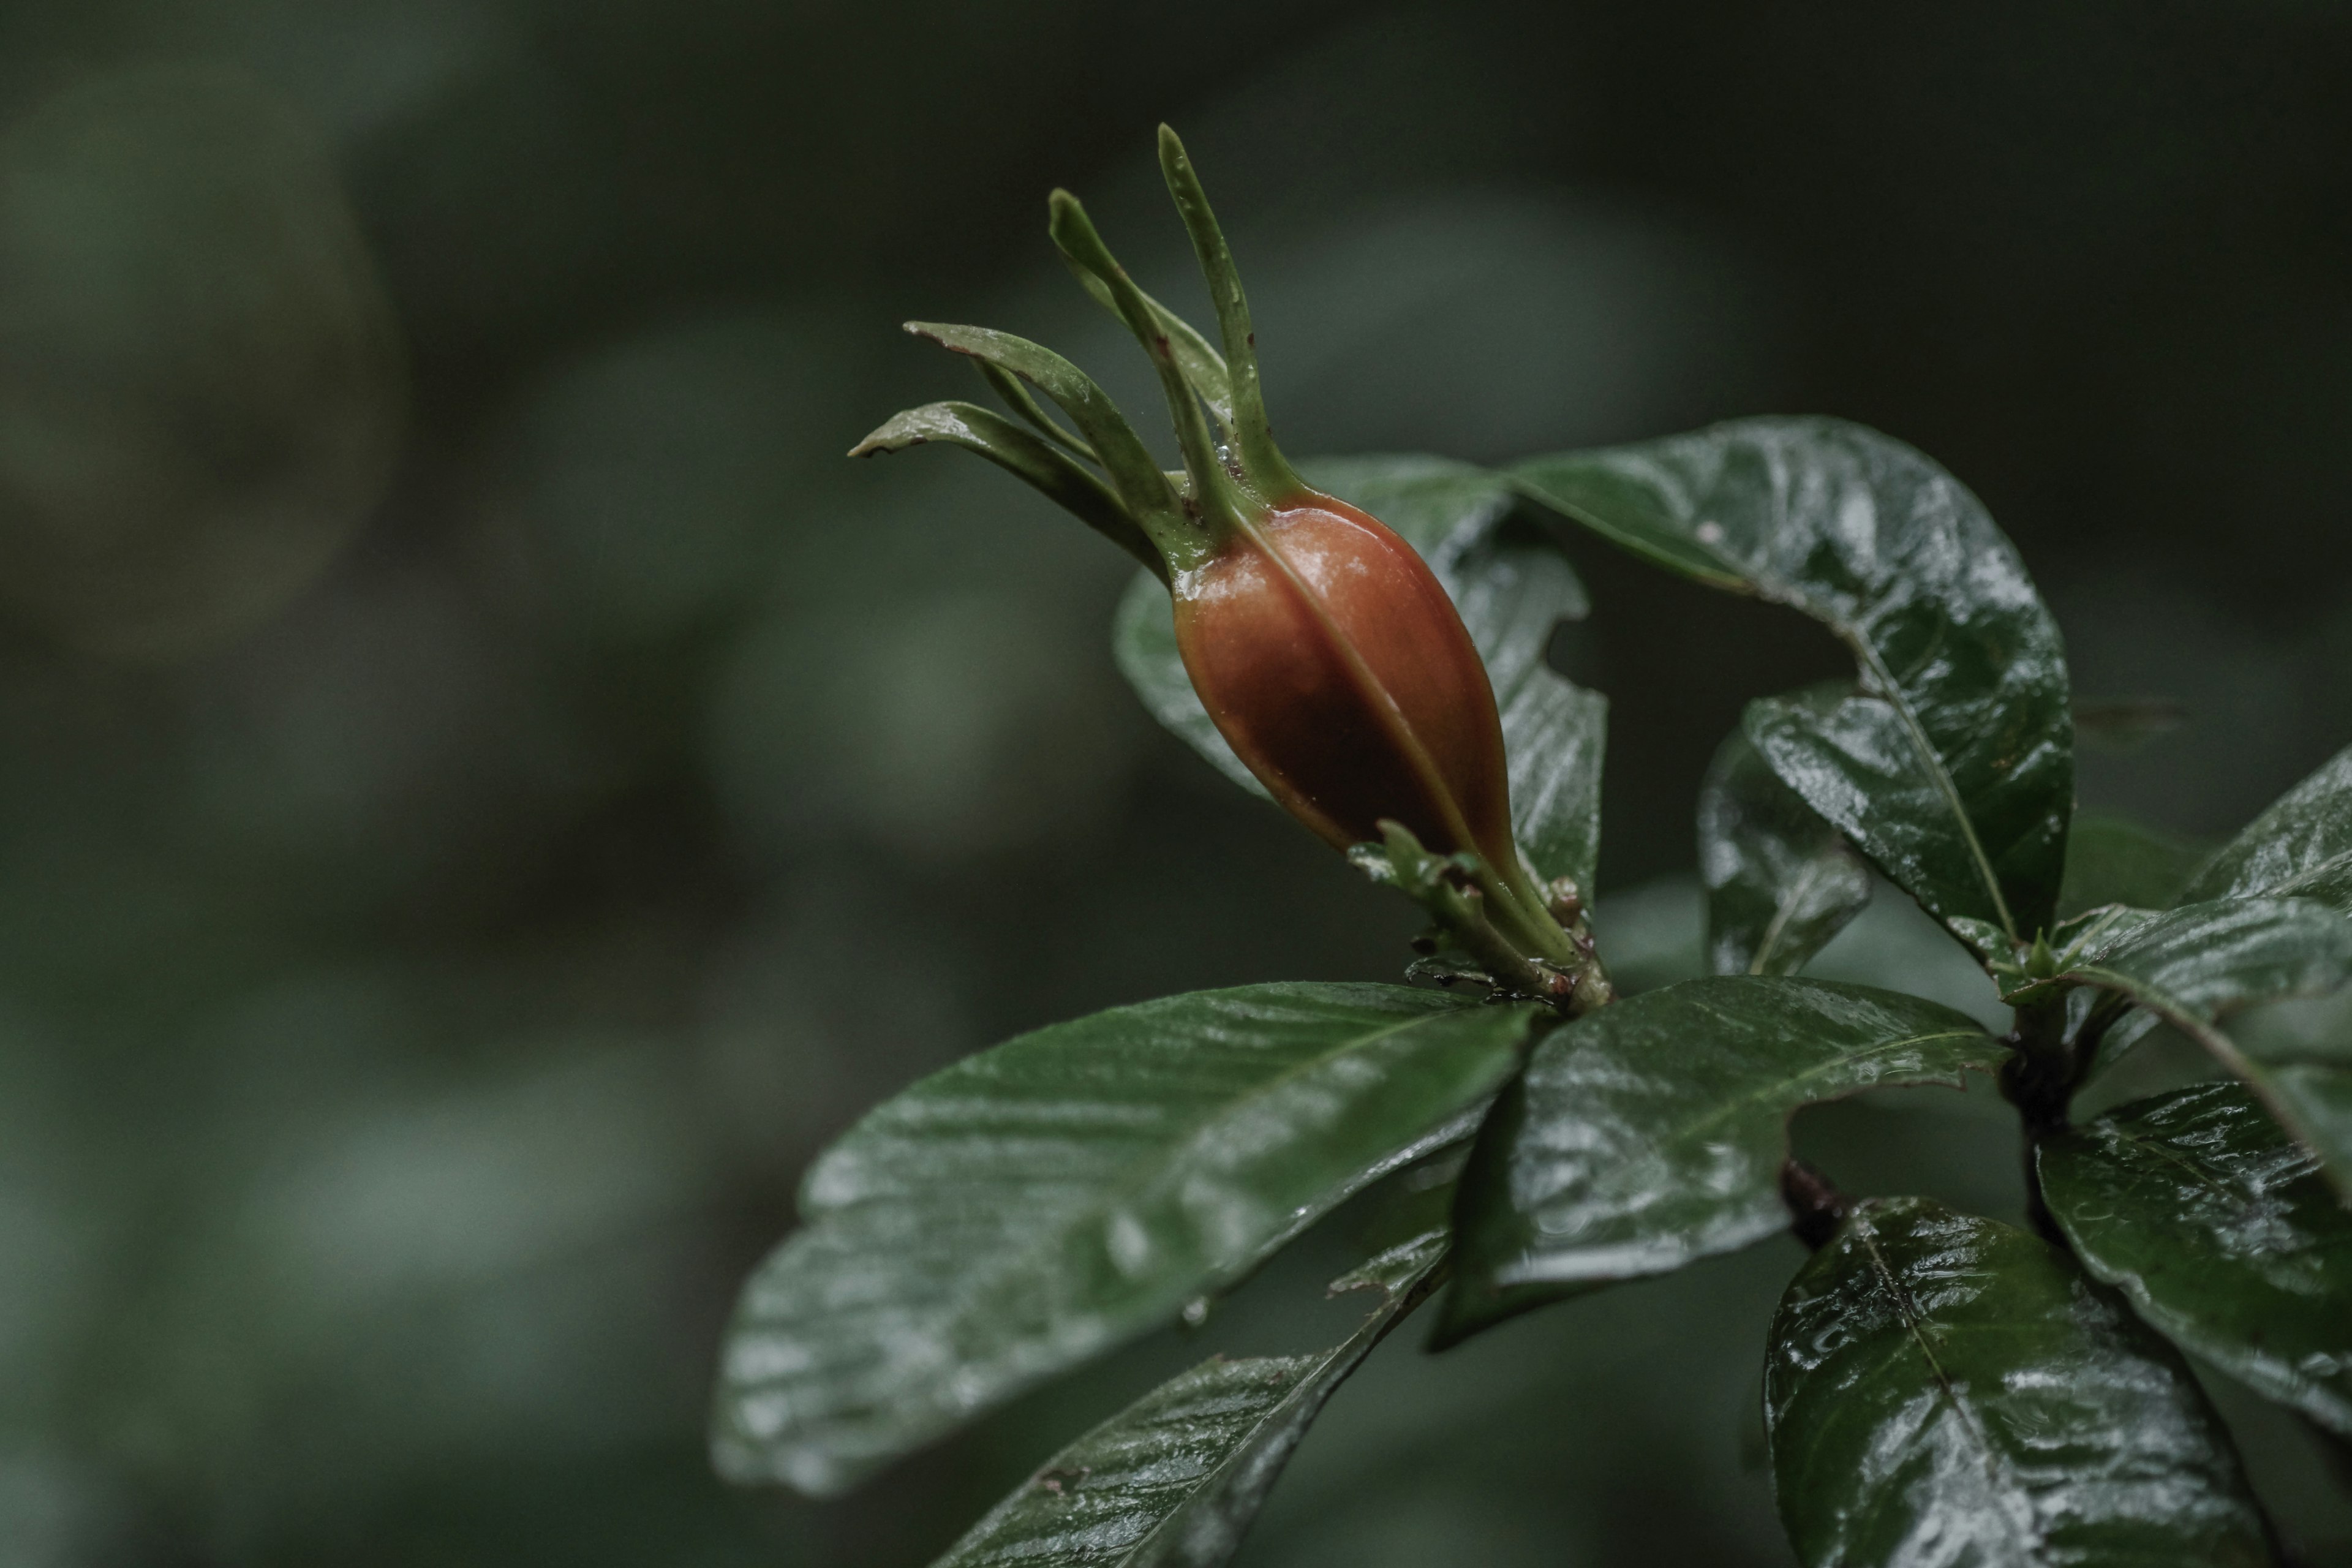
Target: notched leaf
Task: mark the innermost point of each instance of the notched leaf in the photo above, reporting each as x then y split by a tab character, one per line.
1951	765
1780	881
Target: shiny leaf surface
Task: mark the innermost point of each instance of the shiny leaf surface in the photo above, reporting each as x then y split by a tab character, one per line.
2223	1232
1176	1478
1653	1133
1780	880
1512	588
1036	1204
2193	965
2301	847
1952	766
2113	860
1941	1389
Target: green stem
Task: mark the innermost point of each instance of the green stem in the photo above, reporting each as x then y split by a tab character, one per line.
1460	892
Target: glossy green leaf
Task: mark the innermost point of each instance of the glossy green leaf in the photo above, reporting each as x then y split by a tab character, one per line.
2194	965
2112	860
2300	847
1941	1389
1176	1478
1952	766
1651	1133
1513	589
1780	880
2223	1232
1040	1201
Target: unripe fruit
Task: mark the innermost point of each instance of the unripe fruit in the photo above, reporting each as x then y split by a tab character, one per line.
1337	669
1322	647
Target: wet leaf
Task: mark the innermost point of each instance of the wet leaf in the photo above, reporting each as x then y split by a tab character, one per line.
2222	1231
1951	768
1651	1133
1513	589
1039	1203
1780	880
2193	966
2300	847
2112	860
1941	1389
1176	1478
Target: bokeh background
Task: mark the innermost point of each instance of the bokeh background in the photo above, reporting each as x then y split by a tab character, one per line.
486	790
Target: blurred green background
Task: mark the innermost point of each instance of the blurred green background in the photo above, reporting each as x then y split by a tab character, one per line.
488	789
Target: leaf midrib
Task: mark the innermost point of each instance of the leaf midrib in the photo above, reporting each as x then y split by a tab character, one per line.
2221	1187
1996	1464
1774	590
1778	1089
1146	1173
1336	1365
1815	870
2209	1036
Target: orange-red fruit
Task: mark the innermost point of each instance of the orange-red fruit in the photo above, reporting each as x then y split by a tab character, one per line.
1334	665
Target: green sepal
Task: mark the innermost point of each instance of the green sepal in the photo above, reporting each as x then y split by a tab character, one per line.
1267	471
1018	398
1013	449
1142	488
1202	365
1212	486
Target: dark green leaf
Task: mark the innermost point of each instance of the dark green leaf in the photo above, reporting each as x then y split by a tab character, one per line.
1941	1389
2193	965
1513	589
2115	860
2205	960
1952	768
2300	847
1651	1133
1176	1478
1779	881
1046	1200
2223	1235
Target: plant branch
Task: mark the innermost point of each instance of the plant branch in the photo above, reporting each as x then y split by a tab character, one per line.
1473	908
2038	1079
1816	1206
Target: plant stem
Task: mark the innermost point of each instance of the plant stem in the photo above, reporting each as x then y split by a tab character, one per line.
1816	1206
2039	1080
1516	940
